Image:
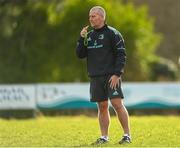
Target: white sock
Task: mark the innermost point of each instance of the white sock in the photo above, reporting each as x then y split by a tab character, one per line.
127	135
105	137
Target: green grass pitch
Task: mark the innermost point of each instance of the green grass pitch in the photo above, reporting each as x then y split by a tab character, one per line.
147	131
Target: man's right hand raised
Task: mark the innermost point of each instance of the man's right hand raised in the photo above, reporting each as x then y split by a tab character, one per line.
83	32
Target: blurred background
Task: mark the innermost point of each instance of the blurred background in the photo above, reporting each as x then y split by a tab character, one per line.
37	51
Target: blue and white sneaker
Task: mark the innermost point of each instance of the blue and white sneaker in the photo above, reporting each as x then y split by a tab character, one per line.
125	139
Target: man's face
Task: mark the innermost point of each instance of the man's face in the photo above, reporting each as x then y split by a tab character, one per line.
96	20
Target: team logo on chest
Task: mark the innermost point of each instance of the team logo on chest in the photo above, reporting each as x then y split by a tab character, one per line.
101	37
94	44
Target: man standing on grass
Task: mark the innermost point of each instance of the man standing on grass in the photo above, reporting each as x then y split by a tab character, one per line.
104	49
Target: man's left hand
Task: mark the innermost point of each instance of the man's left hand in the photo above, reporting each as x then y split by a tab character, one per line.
114	81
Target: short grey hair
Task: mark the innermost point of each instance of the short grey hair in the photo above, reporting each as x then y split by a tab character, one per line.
100	10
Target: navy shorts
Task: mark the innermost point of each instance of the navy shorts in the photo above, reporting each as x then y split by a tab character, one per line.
100	89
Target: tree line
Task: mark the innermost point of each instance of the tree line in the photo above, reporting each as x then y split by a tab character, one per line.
38	41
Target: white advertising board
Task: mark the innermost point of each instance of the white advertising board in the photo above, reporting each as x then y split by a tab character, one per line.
137	95
17	97
76	95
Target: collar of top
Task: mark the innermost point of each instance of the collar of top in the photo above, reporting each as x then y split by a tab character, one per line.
101	29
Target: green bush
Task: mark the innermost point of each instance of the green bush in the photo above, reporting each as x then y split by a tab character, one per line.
38	39
163	70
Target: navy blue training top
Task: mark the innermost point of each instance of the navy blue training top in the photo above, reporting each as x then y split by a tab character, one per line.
104	50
